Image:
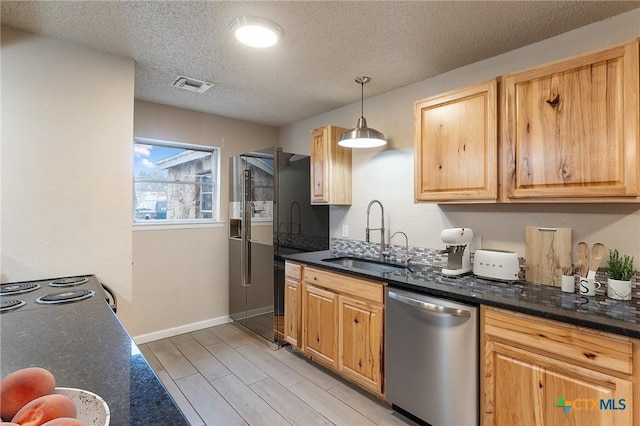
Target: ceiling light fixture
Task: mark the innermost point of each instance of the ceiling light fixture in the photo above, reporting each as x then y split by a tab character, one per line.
362	136
255	31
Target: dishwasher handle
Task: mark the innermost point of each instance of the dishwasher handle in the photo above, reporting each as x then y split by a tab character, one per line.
430	307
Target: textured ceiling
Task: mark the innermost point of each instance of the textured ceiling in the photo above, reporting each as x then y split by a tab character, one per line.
326	45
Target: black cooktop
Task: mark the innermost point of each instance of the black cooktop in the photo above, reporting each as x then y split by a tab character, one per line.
49	293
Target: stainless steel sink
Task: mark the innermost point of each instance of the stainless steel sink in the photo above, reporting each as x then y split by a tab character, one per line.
366	264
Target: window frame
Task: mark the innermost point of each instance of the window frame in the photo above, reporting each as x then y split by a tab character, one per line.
214	151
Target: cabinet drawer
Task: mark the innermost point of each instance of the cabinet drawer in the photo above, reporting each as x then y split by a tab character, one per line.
343	284
586	346
293	270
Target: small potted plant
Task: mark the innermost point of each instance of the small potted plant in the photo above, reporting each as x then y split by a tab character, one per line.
621	271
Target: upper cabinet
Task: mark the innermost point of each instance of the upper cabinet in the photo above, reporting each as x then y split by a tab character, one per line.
570	129
456	145
565	132
330	167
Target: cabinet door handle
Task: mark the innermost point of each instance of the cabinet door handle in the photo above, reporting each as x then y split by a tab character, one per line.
430	307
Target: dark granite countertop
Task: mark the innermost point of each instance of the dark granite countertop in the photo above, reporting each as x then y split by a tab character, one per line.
598	312
85	346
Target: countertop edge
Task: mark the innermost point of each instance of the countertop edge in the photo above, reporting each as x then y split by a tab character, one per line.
611	325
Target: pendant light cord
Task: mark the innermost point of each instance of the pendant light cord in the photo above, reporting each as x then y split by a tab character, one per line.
362	99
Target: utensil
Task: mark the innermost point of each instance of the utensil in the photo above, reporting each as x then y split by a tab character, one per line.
597	253
583	254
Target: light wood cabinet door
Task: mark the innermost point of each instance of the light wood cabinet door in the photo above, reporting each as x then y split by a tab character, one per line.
360	342
293	303
542	372
292	312
330	167
570	131
530	389
456	145
320	325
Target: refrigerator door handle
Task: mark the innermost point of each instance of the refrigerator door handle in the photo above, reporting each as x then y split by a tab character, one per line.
248	263
245	251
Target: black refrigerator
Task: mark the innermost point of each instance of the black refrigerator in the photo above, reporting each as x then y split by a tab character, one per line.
270	215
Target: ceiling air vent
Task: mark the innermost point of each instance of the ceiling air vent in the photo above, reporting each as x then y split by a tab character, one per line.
191	84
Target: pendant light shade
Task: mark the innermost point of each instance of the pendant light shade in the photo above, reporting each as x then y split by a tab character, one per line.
362	136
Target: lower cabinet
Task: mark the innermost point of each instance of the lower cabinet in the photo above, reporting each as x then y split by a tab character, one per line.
320	325
534	371
293	311
360	341
292	303
542	372
341	323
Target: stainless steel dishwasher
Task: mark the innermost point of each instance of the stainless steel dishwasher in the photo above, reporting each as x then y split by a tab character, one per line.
431	358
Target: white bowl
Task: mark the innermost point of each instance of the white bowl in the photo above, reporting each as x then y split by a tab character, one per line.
92	409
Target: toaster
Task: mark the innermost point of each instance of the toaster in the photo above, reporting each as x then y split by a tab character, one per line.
500	265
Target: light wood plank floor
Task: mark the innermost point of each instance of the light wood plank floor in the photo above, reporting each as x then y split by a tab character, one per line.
224	375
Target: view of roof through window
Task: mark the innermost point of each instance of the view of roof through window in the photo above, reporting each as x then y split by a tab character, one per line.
174	183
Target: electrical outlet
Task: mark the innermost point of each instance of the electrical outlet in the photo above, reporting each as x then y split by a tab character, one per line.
345	231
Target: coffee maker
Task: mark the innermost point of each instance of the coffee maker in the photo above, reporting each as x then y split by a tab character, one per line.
458	242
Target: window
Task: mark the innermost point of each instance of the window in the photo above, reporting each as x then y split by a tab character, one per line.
175	182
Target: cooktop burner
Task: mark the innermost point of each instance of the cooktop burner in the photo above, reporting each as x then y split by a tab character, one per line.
69	282
65	296
10	305
23	297
18	288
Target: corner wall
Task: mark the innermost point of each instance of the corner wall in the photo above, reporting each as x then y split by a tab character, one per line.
67	126
180	274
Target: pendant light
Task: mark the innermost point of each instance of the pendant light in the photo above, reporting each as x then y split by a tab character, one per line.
362	136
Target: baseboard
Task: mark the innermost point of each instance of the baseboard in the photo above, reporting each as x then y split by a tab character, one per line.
259	311
239	316
187	328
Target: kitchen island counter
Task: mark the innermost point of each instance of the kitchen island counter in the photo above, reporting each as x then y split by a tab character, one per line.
85	346
597	312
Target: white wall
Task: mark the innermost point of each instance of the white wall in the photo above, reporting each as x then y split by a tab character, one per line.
67	125
66	176
180	276
387	174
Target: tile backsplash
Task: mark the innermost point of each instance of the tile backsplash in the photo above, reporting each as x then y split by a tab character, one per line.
434	258
397	253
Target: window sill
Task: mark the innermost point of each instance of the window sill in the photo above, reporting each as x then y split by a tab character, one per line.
156	226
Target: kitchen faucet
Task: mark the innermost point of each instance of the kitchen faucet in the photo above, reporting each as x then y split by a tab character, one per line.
406	245
383	253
